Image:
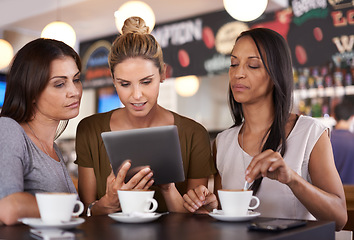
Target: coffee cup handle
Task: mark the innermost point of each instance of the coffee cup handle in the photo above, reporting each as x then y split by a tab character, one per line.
81	208
257	203
154	205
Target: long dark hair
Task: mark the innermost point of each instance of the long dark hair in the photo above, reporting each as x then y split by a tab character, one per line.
29	75
277	62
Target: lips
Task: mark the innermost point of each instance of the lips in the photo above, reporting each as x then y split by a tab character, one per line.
239	87
138	106
74	105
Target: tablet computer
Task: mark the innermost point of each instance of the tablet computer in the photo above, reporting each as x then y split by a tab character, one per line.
157	147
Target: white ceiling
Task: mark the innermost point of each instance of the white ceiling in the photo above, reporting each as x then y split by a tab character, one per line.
94	18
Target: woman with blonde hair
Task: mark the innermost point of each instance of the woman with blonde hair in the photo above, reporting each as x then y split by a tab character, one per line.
137	68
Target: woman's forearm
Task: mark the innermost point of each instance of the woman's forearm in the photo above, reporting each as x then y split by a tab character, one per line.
321	204
104	206
173	198
18	205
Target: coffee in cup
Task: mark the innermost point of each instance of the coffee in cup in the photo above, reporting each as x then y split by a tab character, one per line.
56	208
137	201
237	202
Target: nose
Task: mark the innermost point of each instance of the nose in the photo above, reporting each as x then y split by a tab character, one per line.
74	90
137	92
237	72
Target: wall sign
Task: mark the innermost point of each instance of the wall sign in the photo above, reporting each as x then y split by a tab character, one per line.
319	32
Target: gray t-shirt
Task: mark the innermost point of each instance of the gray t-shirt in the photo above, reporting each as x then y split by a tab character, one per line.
25	168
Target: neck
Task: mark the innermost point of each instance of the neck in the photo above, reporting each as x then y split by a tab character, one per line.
258	119
154	118
42	135
342	125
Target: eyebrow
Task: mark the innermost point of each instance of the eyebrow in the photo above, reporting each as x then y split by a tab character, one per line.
144	78
64	77
248	57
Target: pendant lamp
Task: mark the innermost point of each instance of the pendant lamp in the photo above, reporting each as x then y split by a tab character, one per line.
6	53
134	9
245	10
59	30
187	86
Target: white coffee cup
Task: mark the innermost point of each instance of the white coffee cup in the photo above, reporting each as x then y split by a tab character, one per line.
139	201
237	202
56	208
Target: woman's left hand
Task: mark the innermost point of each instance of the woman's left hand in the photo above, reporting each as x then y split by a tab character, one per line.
269	164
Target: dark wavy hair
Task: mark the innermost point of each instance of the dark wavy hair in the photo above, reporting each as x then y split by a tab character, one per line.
276	58
29	75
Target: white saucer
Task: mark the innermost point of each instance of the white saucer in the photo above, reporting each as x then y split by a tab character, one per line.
37	223
134	218
219	215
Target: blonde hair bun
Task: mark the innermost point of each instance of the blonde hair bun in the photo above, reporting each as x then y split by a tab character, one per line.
135	25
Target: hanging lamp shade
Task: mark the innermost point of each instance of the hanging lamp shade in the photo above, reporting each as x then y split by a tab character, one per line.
6	53
60	31
245	10
134	9
187	86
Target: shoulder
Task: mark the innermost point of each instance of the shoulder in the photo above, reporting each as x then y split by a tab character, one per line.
187	124
8	126
307	123
12	136
227	133
95	120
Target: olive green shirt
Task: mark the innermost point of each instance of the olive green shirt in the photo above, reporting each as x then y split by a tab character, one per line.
194	142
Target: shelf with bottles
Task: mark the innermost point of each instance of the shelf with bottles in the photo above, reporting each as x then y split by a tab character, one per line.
325	81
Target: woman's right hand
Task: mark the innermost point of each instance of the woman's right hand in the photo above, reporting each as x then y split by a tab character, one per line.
140	180
200	200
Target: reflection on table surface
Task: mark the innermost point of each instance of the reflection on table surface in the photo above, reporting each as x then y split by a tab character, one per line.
178	226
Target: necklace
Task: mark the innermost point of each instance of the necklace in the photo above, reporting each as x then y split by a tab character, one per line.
243	157
34	134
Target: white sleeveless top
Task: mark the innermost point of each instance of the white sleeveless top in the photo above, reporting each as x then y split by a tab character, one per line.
277	200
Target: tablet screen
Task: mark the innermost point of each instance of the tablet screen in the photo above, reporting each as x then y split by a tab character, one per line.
157	147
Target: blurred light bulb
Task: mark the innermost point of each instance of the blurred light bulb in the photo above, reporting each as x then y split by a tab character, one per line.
60	31
6	53
245	11
187	86
135	9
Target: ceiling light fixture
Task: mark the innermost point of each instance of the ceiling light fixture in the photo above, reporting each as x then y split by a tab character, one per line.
7	53
134	9
187	86
245	11
61	31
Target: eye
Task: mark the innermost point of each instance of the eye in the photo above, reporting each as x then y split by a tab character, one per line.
124	84
253	66
234	62
59	85
77	80
146	81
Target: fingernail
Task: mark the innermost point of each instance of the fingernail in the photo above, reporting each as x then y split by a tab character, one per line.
146	170
247	172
